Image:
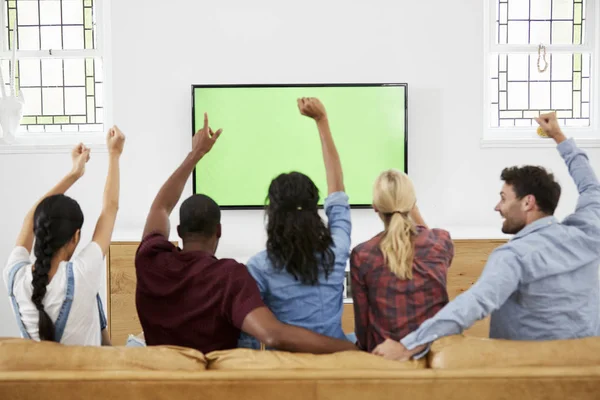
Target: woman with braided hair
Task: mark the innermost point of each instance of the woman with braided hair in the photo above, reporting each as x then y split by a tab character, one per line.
56	298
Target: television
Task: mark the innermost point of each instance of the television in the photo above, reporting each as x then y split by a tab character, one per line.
265	135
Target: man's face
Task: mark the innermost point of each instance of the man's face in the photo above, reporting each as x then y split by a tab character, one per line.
512	209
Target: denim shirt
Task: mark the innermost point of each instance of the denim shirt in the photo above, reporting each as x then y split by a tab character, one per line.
542	284
319	307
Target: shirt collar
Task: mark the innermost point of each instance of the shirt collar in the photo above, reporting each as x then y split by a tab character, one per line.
535	226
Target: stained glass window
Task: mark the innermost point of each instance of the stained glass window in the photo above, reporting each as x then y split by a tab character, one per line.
62	94
540	21
519	90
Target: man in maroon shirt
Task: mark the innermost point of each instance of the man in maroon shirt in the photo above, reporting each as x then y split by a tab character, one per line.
189	297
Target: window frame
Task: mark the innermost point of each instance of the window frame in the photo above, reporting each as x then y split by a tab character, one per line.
61	142
526	136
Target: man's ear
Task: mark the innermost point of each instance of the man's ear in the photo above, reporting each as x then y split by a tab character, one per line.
376	210
529	203
219	231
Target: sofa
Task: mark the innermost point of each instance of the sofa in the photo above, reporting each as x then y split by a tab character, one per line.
457	367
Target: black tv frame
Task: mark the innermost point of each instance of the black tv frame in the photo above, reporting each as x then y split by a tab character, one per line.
280	85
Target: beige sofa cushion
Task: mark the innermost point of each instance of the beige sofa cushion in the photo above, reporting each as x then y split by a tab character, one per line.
30	355
470	352
246	359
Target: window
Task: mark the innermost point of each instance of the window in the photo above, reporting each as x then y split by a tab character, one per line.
542	56
59	68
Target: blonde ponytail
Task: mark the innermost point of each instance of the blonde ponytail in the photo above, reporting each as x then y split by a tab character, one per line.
397	245
394	198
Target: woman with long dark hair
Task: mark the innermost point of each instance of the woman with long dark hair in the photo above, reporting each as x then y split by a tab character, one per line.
301	273
56	298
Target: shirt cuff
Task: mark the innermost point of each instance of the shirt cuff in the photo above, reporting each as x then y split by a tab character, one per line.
566	147
336	199
410	341
422	353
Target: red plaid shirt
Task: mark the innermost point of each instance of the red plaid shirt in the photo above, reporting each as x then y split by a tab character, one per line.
388	307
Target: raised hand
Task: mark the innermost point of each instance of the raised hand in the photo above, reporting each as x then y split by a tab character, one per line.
312	107
80	156
115	140
205	138
549	125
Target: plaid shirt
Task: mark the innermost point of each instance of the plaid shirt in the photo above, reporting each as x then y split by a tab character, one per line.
388	307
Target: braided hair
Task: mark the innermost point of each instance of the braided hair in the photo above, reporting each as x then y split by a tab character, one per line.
55	221
297	238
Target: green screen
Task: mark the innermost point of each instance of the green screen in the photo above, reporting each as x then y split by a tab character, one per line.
265	135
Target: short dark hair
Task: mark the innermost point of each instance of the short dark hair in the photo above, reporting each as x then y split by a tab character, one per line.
199	215
536	181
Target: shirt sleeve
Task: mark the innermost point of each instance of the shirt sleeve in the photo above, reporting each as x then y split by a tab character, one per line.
255	269
242	296
89	265
17	256
587	211
499	279
153	244
152	251
448	247
359	300
337	209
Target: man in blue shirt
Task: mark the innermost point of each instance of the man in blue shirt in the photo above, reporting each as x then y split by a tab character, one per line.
543	283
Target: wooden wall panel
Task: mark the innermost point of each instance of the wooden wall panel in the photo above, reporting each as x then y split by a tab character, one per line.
470	257
348	318
122	281
469	260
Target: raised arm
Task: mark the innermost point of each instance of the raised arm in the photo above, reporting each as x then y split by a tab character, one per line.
263	325
80	155
170	193
115	140
587	211
313	108
499	279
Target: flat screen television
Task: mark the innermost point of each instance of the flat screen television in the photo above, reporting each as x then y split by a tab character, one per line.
265	135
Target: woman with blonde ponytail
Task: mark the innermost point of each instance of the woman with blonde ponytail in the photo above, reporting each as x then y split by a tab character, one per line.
399	276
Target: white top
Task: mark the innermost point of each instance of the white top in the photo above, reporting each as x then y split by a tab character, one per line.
83	324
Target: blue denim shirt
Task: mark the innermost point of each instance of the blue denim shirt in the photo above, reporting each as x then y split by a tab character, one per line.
542	284
319	307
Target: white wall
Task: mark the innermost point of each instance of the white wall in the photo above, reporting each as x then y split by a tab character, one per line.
160	49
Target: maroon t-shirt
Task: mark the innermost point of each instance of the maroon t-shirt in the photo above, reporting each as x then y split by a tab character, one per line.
191	299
